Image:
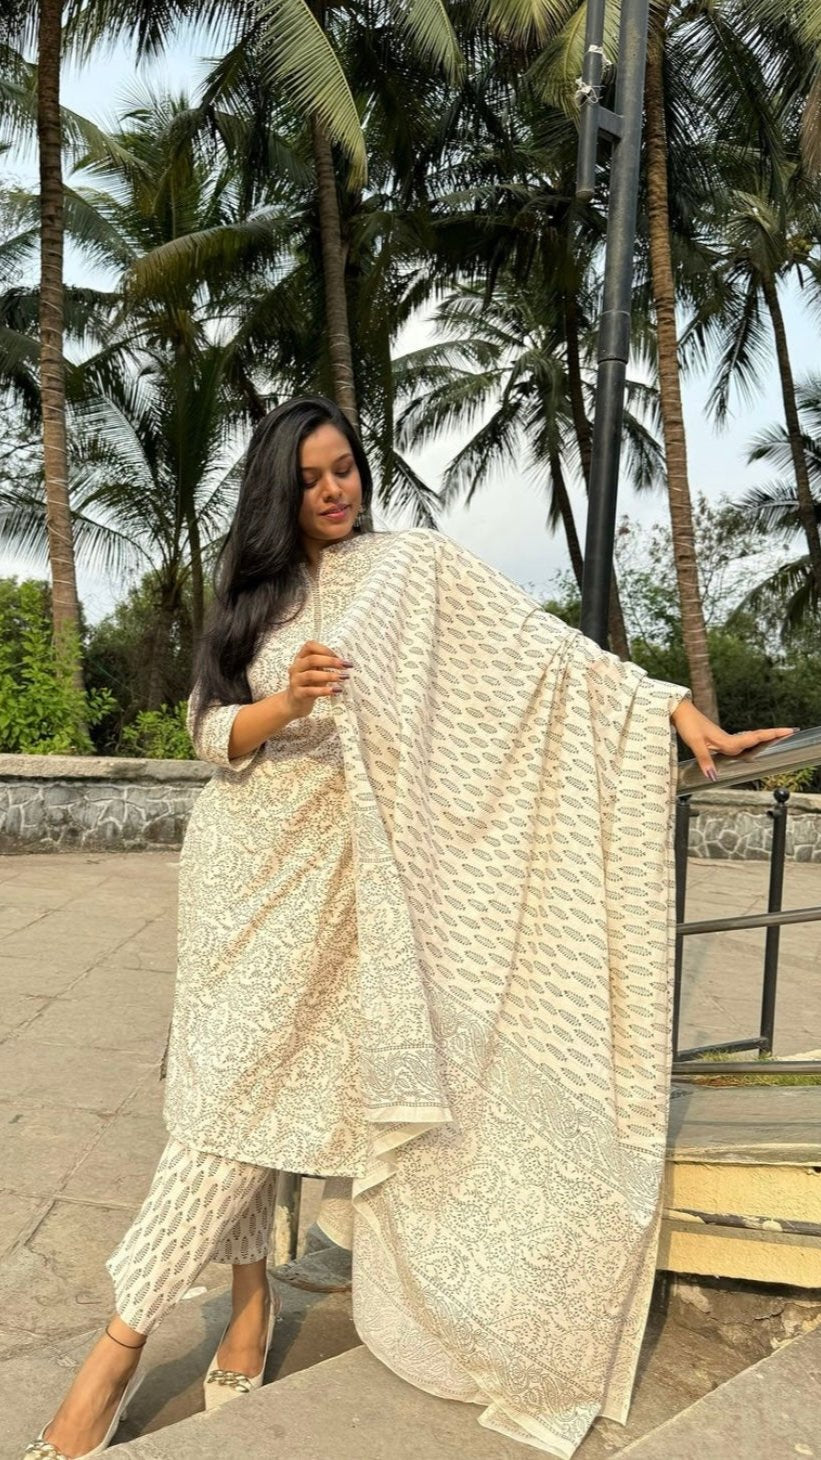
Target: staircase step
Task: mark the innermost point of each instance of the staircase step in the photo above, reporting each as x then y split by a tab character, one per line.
742	1192
352	1407
769	1411
348	1408
764	1124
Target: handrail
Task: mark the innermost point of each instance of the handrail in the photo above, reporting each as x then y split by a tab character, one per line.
802	748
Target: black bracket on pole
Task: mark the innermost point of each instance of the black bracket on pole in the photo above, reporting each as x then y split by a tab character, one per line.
587	95
610	123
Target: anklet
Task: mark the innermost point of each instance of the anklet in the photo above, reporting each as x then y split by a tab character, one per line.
126	1345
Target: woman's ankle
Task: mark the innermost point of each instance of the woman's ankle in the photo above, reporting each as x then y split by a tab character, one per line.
124	1345
249	1281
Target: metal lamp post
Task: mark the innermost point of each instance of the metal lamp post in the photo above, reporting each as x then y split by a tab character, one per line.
623	127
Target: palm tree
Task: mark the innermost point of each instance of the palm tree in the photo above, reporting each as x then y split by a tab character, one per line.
154	406
552	37
170	219
24	25
296	45
497	188
739	82
295	41
139	500
777	506
710	68
129	498
788	32
694	628
766	237
507	356
262	261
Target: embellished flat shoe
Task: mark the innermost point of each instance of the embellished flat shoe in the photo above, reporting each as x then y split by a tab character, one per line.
42	1449
220	1385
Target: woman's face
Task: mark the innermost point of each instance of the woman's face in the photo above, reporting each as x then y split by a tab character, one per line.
330	480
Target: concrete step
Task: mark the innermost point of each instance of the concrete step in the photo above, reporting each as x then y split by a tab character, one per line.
348	1408
770	1411
743	1183
353	1408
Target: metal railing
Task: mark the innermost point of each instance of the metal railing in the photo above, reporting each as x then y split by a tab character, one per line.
792	753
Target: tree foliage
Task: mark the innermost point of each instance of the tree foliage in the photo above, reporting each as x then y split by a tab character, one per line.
448	163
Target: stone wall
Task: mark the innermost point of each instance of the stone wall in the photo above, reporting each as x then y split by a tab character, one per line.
736	824
61	802
53	803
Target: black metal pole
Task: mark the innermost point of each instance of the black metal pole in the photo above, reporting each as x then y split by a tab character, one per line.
614	330
779	847
684	812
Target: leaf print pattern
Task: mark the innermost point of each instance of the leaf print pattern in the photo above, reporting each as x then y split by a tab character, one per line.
426	943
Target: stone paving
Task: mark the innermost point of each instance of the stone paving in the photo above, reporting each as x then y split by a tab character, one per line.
721	990
86	970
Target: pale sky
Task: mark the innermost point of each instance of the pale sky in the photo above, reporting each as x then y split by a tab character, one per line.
505	525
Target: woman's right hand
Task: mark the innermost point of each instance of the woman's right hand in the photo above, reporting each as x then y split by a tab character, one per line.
315	671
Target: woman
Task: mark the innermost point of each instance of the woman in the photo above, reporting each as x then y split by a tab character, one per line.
425	948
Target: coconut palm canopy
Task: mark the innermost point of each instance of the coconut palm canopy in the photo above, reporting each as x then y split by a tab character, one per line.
343	167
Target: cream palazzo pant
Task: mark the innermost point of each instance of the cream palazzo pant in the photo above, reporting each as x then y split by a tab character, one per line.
199	1208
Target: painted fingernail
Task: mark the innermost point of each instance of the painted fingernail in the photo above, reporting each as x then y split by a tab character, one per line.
711	773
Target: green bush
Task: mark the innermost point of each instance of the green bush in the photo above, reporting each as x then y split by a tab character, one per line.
42	712
142	657
159	734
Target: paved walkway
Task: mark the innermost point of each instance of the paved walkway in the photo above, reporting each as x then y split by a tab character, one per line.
86	976
721	992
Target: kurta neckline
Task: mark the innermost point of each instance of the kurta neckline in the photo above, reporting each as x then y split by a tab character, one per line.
334	547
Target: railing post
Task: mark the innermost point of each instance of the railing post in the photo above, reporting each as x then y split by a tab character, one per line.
682	842
286	1217
777	855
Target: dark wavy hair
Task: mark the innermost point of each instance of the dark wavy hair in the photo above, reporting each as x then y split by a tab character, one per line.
258	572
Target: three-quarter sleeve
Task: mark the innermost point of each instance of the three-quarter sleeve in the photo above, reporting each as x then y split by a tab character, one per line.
211	740
675	693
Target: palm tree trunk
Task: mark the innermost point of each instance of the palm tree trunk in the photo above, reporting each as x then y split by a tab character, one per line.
333	266
581	423
167	605
197	578
616	627
334	259
806	504
334	272
661	266
65	608
566	513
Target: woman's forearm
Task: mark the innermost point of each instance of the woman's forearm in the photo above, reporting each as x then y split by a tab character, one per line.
256	722
703	736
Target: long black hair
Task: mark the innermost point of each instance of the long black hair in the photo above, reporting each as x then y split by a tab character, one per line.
259	569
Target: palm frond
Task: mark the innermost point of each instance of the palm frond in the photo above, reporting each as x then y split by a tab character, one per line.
294	50
775	504
428	25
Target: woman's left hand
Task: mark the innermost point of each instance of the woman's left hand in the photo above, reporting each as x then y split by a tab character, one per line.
702	736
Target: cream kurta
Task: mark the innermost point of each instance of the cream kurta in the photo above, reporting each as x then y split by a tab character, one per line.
426	941
263	1062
